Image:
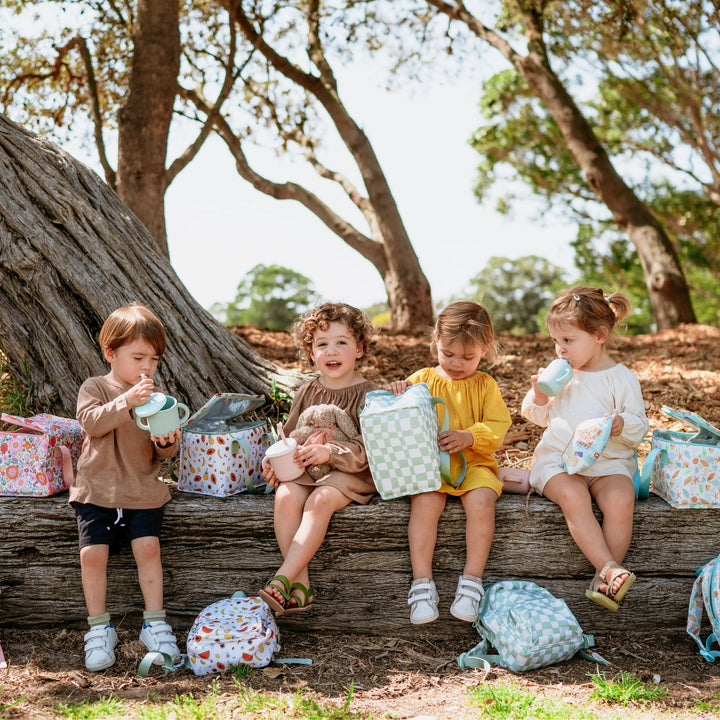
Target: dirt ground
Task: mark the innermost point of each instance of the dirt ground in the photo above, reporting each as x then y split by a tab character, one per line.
404	678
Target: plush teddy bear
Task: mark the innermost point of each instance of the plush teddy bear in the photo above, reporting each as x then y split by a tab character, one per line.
320	424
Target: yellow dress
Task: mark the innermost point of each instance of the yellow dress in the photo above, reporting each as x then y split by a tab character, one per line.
474	404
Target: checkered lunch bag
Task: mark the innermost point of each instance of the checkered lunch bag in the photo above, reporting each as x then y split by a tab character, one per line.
400	433
220	454
40	460
528	627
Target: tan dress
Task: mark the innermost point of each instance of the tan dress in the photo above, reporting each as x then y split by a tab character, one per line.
350	473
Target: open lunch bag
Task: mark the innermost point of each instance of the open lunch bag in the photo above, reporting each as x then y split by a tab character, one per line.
220	454
683	468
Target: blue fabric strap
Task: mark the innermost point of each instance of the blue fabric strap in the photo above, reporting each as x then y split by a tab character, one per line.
445	456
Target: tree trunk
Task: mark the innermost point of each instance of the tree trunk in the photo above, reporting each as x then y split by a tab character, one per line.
667	288
389	248
70	254
144	121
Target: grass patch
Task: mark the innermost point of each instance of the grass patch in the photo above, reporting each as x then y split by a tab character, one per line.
14	393
625	688
105	707
506	700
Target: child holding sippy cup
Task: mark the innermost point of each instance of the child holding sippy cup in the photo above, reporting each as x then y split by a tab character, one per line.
116	494
332	337
580	321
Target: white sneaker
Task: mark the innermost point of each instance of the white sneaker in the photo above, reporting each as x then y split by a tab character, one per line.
467	598
423	600
100	642
157	636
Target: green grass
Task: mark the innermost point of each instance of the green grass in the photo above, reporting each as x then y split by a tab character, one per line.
14	393
625	688
507	700
87	710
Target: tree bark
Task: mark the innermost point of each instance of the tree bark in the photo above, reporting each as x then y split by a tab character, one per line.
144	120
70	254
361	573
667	287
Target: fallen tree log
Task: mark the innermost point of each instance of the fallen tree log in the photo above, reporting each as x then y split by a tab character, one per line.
213	547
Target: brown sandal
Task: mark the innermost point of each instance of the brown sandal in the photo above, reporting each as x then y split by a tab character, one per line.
605	578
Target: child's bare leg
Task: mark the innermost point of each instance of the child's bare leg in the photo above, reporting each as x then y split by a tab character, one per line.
425	511
479	505
573	497
93	567
615	497
146	551
320	506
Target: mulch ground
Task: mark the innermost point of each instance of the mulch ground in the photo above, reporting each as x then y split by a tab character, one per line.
407	679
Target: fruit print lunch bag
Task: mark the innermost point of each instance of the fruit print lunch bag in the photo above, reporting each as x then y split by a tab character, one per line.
39	460
233	631
219	454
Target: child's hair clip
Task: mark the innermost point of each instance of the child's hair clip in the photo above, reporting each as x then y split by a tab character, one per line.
576	298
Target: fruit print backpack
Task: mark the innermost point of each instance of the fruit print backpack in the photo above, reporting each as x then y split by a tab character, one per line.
233	631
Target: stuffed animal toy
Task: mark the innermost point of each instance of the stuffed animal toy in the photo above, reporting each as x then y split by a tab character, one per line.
320	424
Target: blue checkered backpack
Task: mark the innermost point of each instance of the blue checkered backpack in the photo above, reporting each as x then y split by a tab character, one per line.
528	627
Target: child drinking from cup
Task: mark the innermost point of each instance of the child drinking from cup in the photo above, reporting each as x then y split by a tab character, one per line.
462	337
580	321
116	494
332	337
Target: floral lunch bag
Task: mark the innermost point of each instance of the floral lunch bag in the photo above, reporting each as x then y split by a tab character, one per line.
39	460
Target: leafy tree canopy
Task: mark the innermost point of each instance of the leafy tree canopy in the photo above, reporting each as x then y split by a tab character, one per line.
516	291
269	297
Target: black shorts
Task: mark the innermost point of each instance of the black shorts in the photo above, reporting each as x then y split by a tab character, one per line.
115	527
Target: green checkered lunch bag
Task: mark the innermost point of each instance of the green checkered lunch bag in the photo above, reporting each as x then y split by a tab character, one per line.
528	627
400	434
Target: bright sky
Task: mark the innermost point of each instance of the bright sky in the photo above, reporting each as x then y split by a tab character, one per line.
219	227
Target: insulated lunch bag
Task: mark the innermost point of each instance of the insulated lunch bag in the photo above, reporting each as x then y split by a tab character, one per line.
220	454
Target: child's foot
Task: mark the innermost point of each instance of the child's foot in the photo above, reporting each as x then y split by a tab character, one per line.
157	636
276	594
467	598
610	586
301	599
423	600
100	642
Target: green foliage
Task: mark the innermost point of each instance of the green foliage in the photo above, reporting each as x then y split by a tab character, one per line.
516	291
625	688
506	700
270	297
15	393
86	710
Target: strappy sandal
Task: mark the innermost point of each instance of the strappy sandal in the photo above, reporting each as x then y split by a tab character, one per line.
607	598
304	602
281	585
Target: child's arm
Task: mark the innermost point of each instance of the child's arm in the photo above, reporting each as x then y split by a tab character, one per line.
534	412
629	414
98	417
489	432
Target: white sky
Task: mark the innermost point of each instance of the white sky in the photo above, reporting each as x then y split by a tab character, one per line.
219	227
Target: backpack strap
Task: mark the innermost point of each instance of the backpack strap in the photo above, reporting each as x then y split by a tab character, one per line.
444	455
478	658
702	596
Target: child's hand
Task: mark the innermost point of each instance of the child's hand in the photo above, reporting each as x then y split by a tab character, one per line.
617	425
312	455
166	440
397	387
268	474
455	440
539	397
140	393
